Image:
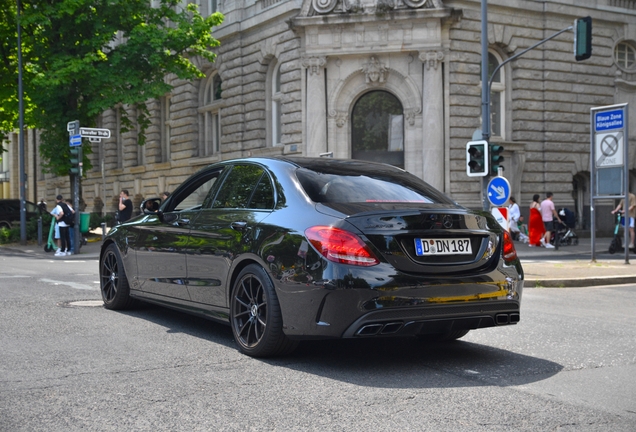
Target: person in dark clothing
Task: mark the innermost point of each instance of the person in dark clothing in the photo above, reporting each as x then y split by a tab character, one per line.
125	207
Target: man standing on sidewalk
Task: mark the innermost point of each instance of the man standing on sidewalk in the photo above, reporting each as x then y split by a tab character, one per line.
548	214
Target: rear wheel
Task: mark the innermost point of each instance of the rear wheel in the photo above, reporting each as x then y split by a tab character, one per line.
113	281
255	315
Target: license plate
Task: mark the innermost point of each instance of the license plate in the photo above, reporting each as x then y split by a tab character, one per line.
455	246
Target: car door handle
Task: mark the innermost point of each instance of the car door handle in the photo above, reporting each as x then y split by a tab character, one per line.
239	226
182	222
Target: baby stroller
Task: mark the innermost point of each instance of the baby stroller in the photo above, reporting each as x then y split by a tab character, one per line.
565	229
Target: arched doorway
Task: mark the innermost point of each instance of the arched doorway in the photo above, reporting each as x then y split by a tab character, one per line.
377	129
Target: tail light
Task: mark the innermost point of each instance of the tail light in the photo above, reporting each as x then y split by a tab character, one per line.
509	251
340	246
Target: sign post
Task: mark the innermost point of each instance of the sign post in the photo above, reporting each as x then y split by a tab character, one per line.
609	163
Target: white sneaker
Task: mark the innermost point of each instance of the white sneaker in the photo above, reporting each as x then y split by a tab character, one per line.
69	253
543	241
549	246
60	253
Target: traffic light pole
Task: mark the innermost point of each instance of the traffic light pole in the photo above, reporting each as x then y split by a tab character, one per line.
584	45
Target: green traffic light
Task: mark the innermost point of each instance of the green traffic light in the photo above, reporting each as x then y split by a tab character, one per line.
496	158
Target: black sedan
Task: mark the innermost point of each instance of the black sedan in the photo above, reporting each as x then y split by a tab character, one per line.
286	249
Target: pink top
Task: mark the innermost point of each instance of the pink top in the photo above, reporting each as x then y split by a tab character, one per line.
547	206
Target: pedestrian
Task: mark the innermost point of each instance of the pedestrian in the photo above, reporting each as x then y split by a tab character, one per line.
548	214
125	207
516	220
536	229
164	196
632	215
42	206
60	212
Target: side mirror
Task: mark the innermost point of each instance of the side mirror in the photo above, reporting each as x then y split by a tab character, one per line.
150	206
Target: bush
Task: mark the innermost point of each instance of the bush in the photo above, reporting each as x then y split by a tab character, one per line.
13	234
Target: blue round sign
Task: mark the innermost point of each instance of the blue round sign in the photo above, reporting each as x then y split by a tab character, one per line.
498	191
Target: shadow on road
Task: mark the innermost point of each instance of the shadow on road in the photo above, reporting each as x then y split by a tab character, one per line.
388	363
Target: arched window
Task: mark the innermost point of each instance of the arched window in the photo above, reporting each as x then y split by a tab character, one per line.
497	96
211	112
625	56
377	129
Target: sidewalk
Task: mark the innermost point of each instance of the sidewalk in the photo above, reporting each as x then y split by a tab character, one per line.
569	266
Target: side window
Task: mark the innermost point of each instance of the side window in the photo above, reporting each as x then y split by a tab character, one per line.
195	193
238	187
263	197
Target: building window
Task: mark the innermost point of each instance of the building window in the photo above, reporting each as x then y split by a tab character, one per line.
165	128
625	56
377	129
210	112
497	96
275	101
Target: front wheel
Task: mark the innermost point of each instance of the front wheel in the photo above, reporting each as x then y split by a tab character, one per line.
255	315
113	281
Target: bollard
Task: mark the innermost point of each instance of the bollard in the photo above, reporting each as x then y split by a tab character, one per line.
40	231
103	231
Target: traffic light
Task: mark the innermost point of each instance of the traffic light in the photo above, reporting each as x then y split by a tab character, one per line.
583	38
76	155
477	158
495	158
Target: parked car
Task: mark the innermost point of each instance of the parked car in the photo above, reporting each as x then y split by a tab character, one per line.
10	212
285	249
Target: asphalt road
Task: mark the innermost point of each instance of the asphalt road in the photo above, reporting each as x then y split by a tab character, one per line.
68	364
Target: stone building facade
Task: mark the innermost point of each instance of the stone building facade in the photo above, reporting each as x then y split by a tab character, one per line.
312	77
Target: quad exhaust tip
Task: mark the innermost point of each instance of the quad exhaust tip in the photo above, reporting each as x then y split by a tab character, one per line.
379	329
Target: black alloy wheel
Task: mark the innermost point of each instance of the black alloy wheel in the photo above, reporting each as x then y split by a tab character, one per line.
255	315
113	281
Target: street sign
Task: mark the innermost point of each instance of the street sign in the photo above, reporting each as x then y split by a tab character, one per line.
94	132
609	149
498	191
72	126
75	140
92	139
607	120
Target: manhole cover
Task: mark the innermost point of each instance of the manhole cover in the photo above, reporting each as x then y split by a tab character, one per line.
83	303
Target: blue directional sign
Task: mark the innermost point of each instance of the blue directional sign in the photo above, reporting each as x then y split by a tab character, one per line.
75	140
498	191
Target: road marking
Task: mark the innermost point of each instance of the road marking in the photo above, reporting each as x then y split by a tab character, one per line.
69	284
13	276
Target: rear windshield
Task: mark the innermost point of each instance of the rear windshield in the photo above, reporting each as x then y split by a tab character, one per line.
399	187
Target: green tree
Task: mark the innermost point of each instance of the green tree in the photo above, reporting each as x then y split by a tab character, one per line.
82	57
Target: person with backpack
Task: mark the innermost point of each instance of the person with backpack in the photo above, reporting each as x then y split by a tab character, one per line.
64	217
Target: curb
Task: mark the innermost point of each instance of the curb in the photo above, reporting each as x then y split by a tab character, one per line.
579	282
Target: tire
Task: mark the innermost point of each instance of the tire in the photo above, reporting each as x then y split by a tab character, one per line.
255	315
113	282
444	337
48	248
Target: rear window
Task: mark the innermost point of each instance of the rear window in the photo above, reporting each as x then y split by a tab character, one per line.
367	188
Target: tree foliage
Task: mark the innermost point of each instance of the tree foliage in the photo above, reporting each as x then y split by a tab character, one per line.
82	57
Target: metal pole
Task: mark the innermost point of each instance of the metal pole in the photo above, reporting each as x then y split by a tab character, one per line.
485	95
627	237
592	187
22	174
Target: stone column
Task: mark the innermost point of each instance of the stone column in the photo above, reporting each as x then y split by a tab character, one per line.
316	111
433	118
